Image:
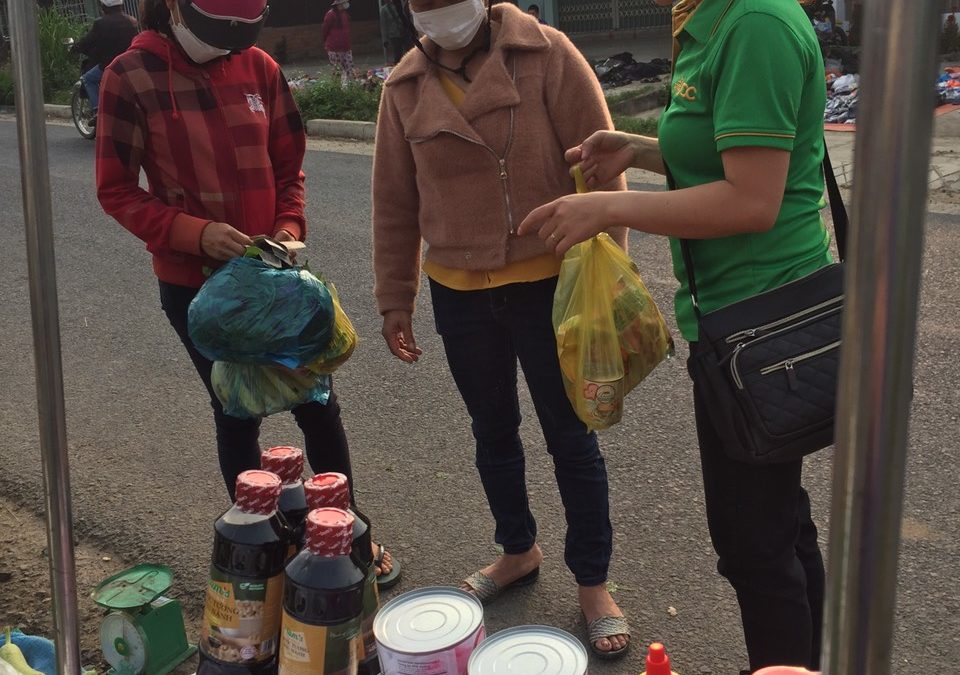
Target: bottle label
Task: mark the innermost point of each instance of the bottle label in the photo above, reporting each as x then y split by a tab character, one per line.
311	650
371	605
241	618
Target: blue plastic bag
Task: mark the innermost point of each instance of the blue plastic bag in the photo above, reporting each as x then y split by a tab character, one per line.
249	312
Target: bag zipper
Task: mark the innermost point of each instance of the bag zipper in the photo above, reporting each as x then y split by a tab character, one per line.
788	364
752	332
735	373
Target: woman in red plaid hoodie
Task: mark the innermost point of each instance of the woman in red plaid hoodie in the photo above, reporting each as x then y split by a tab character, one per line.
210	120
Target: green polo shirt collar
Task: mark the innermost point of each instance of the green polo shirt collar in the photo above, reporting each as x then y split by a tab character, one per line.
705	19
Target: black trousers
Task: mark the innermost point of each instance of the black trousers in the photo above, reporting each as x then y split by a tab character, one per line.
238	447
766	542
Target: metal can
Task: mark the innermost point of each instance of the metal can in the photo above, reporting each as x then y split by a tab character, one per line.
531	650
430	631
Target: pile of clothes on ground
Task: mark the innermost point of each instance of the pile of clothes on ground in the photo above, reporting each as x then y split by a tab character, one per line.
948	87
843	98
621	69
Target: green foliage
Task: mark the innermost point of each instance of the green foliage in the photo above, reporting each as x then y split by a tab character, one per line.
6	85
357	100
950	37
60	69
644	126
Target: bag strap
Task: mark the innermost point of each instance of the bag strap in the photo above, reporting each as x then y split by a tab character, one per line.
837	209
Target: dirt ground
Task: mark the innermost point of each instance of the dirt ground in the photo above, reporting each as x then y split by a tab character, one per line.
25	601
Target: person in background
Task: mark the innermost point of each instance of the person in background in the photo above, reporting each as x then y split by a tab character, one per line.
471	135
534	11
743	139
108	37
210	120
335	35
394	33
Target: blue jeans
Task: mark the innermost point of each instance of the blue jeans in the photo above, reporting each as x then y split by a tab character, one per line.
484	334
91	82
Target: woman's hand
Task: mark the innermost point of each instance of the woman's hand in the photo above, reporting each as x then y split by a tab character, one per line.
398	332
604	156
222	242
563	223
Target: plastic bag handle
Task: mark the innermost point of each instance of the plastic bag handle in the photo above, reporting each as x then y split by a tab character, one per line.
577	173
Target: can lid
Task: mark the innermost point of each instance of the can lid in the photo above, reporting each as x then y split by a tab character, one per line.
328	490
285	461
429	620
329	532
531	650
258	492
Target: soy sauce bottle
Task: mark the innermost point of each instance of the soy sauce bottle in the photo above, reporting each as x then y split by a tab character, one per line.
241	617
332	490
287	463
323	600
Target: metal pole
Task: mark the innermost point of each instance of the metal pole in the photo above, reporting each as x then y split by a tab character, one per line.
889	203
38	217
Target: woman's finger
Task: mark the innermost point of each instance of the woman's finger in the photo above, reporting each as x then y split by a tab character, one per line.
574	155
536	219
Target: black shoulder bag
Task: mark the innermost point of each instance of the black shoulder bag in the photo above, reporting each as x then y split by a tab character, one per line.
767	366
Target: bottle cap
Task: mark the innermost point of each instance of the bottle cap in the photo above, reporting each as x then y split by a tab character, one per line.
258	492
328	490
329	532
285	461
658	662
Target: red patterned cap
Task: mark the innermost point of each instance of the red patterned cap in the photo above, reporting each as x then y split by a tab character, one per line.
258	492
328	490
285	461
329	532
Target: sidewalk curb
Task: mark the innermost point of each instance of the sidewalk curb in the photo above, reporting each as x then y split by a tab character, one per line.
61	112
358	131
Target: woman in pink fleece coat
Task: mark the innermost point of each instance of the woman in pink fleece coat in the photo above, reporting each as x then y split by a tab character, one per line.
470	138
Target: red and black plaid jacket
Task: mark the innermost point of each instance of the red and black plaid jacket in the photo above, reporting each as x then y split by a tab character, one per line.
222	142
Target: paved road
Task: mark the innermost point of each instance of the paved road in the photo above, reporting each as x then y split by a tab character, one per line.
147	487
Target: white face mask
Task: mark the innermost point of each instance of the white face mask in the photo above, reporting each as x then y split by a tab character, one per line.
452	27
198	50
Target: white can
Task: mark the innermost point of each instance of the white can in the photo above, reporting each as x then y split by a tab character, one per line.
430	631
531	650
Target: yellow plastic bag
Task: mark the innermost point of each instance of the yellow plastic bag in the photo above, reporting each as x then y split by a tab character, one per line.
610	333
343	340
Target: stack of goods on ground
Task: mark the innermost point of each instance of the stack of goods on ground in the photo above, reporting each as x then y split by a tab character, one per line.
843	99
948	87
621	69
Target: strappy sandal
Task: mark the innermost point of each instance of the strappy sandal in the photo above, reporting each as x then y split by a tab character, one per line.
392	578
487	590
607	627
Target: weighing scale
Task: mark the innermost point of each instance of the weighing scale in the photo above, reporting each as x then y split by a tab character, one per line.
143	632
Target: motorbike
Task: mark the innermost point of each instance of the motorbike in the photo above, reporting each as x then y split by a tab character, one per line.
80	108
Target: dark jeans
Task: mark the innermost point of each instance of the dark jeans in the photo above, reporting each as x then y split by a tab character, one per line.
766	542
484	334
325	442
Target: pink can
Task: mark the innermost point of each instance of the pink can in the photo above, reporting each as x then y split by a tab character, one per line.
430	631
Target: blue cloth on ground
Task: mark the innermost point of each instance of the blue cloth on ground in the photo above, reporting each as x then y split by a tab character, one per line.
38	651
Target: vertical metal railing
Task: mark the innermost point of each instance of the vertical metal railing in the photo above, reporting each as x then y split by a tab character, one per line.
883	279
38	218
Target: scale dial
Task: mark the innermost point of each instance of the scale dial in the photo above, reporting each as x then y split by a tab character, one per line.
122	643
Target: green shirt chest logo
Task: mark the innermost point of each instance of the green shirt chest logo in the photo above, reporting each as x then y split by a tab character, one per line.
684	89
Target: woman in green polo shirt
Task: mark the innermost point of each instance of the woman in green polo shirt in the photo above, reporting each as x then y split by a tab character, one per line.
743	137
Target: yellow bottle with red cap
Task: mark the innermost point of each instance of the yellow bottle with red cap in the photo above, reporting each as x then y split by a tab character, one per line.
241	618
332	490
658	661
287	463
323	600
